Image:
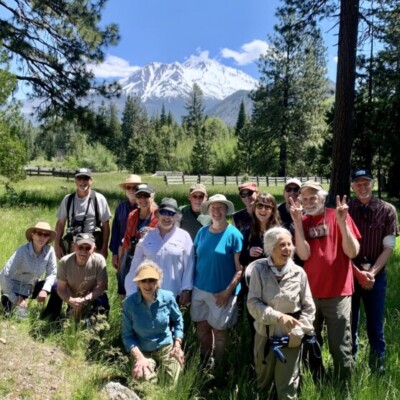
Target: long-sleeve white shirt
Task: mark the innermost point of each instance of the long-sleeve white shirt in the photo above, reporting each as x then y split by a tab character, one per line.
173	253
24	268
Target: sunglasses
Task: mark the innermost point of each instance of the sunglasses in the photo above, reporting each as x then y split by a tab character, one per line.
82	178
167	212
260	206
197	197
39	233
249	193
149	280
142	196
292	189
127	187
84	248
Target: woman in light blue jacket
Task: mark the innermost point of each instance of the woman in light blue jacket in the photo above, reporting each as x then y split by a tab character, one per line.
21	276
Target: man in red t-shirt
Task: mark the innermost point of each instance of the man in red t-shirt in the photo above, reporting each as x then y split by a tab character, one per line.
327	240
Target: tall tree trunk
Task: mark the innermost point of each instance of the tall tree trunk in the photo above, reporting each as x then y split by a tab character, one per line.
344	102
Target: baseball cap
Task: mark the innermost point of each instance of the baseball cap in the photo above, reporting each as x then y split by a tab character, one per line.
198	187
248	186
87	238
311	185
362	173
83	172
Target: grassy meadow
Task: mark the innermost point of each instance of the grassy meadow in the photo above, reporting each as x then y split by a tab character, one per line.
95	355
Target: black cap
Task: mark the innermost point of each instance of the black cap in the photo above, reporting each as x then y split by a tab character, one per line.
144	188
362	173
83	172
168	204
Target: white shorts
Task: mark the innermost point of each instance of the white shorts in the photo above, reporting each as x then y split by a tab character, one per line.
204	308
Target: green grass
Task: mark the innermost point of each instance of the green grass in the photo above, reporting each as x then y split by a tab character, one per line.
37	198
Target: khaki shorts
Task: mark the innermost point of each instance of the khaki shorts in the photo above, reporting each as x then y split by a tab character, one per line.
204	308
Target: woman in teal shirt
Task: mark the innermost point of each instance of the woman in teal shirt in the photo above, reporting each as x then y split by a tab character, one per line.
148	316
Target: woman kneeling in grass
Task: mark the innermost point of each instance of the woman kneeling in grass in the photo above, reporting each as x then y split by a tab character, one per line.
20	278
148	316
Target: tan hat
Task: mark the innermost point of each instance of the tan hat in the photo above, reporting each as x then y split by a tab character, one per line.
146	273
198	187
43	226
133	179
311	185
218	198
248	186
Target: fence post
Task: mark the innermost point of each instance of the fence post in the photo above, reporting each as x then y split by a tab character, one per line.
225	180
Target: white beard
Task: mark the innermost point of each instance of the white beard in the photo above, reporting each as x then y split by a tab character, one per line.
315	211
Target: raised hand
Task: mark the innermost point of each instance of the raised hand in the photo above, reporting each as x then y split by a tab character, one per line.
342	208
296	210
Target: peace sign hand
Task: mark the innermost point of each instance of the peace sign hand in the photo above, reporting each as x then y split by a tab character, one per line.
296	210
342	209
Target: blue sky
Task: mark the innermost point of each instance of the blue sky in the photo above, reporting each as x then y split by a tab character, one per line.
234	32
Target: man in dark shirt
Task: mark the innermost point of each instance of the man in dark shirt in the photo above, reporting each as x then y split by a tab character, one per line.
378	225
291	190
192	219
248	192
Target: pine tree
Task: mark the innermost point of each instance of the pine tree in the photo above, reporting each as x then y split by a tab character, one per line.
241	119
290	98
51	43
134	128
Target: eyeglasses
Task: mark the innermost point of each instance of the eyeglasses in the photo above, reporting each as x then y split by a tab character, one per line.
167	212
261	206
149	280
294	189
199	197
84	248
39	233
142	195
249	193
130	187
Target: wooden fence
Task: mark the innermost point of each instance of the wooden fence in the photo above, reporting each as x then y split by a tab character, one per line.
44	171
235	180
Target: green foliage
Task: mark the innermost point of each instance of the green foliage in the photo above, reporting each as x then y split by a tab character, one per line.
52	43
12	149
288	116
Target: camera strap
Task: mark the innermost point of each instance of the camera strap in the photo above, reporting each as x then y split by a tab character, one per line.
70	202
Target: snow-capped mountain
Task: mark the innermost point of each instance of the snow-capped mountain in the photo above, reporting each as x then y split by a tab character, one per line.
173	81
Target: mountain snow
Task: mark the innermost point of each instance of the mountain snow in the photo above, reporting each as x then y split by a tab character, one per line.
175	80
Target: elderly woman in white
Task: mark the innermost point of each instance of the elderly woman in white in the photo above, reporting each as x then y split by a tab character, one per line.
280	301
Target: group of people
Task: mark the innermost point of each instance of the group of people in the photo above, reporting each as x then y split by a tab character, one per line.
296	268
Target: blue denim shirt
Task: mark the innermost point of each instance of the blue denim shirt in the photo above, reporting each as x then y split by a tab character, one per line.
119	224
148	328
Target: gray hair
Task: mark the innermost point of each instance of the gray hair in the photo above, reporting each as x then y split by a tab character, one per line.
271	238
322	194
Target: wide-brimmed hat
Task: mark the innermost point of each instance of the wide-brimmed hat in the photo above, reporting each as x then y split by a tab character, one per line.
293	181
168	204
147	273
43	226
362	174
83	172
85	238
311	185
198	187
248	186
131	179
218	198
144	188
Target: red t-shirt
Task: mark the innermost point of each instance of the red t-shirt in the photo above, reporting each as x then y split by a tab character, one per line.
329	270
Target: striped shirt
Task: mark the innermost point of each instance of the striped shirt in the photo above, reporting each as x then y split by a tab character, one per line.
374	221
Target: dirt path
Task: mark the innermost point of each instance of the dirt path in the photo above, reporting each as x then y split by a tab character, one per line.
29	369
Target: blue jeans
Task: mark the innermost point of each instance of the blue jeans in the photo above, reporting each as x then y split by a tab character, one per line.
374	306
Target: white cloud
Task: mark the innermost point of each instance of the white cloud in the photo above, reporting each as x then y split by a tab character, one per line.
248	53
113	67
335	59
